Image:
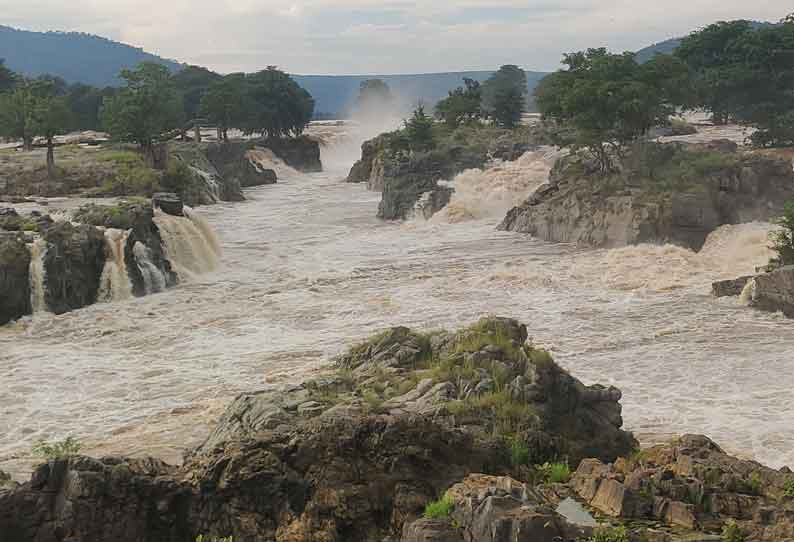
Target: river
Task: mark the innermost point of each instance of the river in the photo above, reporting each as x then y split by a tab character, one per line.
307	270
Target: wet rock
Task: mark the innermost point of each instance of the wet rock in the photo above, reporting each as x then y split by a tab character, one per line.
301	153
168	203
579	205
14	277
147	266
730	288
775	291
10	219
73	266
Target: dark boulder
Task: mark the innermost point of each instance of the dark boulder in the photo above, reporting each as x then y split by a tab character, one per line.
14	277
73	265
147	265
169	203
301	153
729	288
10	219
774	291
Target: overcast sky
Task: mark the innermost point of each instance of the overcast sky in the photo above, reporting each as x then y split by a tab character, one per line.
380	36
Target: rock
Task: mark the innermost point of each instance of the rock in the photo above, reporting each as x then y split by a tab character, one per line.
147	266
254	174
14	277
214	172
301	153
73	266
10	219
238	162
168	203
775	291
729	288
581	206
497	509
369	169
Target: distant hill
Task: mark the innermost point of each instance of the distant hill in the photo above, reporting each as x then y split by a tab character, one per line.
73	56
96	61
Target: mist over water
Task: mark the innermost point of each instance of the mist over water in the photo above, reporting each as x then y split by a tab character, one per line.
307	270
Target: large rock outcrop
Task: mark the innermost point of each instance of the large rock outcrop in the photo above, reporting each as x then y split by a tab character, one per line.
14	277
774	291
148	267
234	161
301	153
352	455
73	266
666	193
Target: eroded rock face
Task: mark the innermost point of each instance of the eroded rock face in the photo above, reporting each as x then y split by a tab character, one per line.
775	291
169	203
234	161
301	153
691	483
14	277
730	288
147	266
73	264
576	206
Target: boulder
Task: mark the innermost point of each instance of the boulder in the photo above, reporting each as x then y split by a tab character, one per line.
14	277
774	291
580	205
73	265
169	203
10	219
730	288
301	153
147	265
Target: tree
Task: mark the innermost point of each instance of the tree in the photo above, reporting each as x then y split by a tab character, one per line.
143	110
279	106
17	113
462	106
602	102
503	95
224	103
7	77
419	130
783	239
51	117
746	72
193	83
374	95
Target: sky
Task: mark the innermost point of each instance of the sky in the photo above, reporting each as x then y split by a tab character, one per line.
381	36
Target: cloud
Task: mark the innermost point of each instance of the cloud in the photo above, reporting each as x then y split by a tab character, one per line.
380	36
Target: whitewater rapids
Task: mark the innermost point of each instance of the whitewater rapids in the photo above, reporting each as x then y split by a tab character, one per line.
308	270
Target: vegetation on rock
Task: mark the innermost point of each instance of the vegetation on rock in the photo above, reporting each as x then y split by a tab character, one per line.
440	509
504	96
783	239
59	449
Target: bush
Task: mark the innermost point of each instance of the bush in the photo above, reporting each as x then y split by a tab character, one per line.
177	178
731	532
783	239
202	538
788	488
554	473
610	534
680	127
519	453
439	509
58	450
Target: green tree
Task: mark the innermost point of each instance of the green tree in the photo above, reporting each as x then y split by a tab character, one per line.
193	83
504	94
51	117
419	130
279	106
144	110
603	102
7	77
224	103
17	110
783	239
462	106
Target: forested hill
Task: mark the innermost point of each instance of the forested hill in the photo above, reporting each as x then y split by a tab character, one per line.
73	56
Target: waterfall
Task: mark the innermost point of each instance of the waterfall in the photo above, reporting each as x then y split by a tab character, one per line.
748	293
153	278
114	284
189	242
37	252
210	181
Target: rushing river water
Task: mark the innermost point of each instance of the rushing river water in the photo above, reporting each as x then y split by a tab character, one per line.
307	270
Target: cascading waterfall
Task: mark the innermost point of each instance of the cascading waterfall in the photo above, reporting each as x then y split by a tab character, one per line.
114	284
38	250
748	293
210	181
189	242
153	278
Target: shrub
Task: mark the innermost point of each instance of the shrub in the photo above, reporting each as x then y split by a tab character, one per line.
755	484
783	239
519	453
610	534
58	450
731	532
177	178
788	488
439	509
554	473
202	538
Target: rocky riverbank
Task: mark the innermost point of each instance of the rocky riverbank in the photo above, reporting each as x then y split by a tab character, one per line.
665	193
400	421
409	180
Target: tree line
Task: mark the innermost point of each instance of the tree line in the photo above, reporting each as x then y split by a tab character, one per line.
604	102
152	104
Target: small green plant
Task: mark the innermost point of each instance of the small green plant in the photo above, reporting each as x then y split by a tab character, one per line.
783	239
57	450
610	534
755	484
731	532
439	509
554	473
202	538
519	453
788	488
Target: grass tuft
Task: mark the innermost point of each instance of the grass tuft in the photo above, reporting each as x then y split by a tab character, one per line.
440	509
